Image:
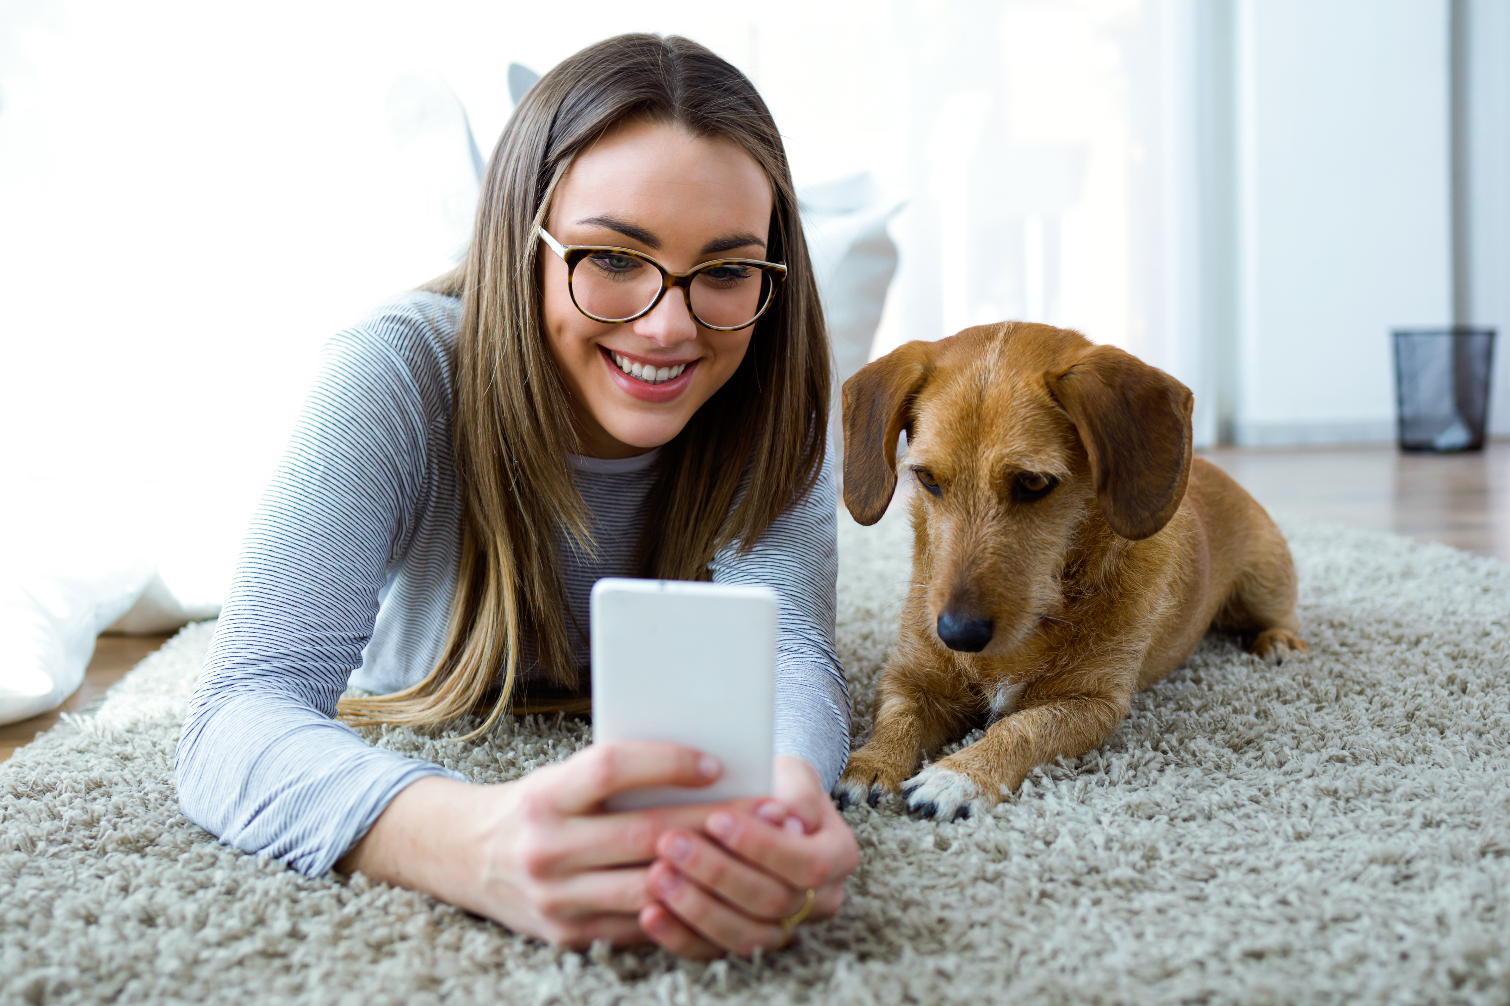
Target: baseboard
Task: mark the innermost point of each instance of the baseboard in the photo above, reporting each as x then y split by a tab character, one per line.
1302	434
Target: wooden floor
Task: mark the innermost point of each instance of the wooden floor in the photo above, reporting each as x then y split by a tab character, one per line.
1461	500
113	657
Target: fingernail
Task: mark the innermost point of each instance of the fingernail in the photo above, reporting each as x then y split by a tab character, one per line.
721	824
795	826
771	812
679	850
710	767
669	882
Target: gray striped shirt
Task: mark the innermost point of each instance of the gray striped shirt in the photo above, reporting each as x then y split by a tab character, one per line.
346	578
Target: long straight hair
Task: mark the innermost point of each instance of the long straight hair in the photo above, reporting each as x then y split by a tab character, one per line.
512	423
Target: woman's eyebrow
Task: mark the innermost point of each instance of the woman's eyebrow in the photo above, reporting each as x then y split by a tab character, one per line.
648	239
730	243
629	230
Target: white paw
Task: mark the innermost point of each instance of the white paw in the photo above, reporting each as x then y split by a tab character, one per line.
938	792
849	792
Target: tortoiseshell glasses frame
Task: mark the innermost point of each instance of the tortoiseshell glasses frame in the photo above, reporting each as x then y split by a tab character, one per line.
773	274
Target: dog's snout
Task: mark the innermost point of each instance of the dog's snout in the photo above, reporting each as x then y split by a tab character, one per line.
959	631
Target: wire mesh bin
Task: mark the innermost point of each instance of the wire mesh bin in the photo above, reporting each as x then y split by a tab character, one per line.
1442	381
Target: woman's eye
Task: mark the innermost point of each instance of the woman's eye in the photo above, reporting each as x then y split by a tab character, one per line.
725	275
1030	486
926	478
614	263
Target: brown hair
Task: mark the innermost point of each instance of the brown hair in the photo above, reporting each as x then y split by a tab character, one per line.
511	422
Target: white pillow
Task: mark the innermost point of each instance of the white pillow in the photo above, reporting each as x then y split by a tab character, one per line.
78	567
67	576
49	620
854	261
437	154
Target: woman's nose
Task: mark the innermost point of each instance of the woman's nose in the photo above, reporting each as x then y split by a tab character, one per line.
670	323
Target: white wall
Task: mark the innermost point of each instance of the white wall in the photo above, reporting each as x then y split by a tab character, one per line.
1484	213
1344	209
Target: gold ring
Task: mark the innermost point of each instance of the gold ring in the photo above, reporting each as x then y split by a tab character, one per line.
790	922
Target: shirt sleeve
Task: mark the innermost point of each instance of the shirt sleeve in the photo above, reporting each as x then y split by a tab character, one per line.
798	557
262	763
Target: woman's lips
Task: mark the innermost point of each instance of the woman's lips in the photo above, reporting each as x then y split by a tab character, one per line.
654	393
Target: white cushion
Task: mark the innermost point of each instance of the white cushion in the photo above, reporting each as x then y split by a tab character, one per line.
49	622
854	260
80	567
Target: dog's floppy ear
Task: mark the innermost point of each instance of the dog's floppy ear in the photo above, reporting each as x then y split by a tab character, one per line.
1135	423
877	400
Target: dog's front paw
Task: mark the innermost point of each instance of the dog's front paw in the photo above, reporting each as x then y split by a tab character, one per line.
942	793
1274	645
852	792
865	779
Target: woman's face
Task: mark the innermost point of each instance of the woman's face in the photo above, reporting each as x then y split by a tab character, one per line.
681	200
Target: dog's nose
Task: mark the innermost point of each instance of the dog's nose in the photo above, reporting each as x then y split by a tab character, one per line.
968	634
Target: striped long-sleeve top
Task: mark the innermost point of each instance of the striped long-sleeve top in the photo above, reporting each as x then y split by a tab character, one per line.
346	579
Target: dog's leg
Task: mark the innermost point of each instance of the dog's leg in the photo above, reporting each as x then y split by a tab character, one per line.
1262	602
909	721
1045	728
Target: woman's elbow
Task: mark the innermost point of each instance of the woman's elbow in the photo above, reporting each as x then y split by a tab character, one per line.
193	771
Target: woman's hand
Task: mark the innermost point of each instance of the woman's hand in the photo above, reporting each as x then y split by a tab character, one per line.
725	887
538	854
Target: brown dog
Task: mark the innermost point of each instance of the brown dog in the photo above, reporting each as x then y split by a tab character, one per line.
1068	551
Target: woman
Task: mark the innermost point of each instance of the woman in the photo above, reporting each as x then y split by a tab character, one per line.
627	376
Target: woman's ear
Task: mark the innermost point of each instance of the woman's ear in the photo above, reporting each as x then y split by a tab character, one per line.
1135	423
877	404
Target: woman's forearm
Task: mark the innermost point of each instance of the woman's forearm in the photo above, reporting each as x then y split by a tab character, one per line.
427	839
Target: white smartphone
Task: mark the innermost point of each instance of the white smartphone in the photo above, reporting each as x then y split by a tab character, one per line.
695	663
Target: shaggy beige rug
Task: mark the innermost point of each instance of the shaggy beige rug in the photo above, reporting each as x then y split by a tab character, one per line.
1334	830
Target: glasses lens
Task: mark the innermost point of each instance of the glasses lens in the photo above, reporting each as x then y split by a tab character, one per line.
730	295
614	285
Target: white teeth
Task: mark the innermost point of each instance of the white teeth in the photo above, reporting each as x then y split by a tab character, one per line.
648	374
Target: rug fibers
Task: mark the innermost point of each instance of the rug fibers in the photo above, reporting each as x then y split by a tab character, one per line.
1332	830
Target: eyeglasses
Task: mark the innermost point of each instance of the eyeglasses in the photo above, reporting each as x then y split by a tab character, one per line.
619	285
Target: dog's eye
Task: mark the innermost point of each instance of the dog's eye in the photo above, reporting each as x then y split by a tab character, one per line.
1030	486
926	478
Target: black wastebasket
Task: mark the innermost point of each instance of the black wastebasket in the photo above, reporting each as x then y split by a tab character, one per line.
1442	381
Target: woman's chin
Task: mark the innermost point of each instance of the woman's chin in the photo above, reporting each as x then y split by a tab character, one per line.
641	437
642	426
624	433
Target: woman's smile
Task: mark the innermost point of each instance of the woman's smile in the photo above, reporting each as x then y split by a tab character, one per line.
648	379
